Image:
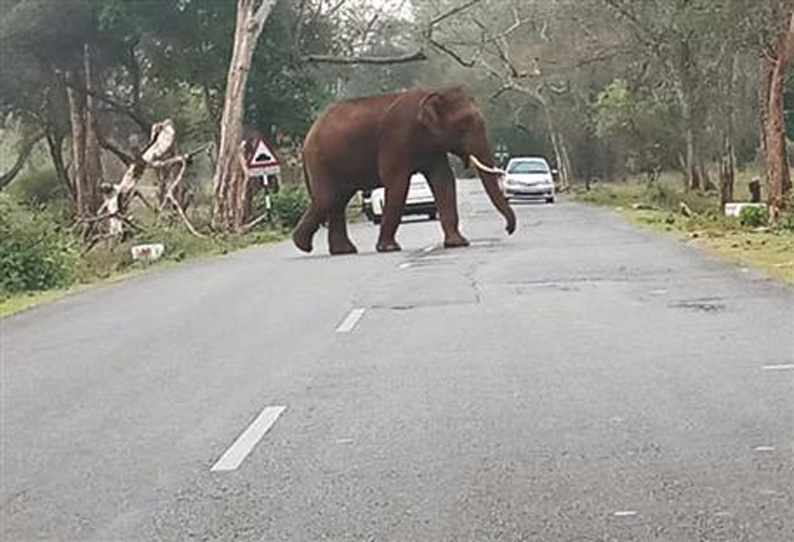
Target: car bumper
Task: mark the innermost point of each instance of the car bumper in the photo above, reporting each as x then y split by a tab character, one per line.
529	192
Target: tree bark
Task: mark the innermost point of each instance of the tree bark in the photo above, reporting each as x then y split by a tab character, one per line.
77	120
728	162
86	151
229	177
727	168
778	173
55	146
93	150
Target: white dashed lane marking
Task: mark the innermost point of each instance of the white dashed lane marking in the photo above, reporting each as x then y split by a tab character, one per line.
788	367
625	513
235	455
350	322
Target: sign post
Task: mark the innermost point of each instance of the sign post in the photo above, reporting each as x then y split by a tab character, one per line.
264	163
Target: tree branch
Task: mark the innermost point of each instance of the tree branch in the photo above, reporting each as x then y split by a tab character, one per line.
416	56
117	106
22	158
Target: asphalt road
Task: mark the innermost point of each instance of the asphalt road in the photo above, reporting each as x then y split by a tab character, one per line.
579	381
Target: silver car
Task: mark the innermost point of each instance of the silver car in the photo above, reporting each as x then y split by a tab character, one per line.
529	177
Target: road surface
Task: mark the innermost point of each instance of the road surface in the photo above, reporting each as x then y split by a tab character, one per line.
579	381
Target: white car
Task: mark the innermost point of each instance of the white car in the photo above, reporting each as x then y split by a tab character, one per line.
529	177
420	200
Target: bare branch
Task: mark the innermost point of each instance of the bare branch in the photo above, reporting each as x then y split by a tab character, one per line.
416	56
22	158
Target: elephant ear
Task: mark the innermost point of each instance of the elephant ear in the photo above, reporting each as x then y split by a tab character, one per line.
428	113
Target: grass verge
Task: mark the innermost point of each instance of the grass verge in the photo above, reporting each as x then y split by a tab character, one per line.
700	222
109	264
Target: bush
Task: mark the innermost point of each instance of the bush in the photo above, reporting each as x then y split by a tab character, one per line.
34	253
37	187
288	205
754	217
787	221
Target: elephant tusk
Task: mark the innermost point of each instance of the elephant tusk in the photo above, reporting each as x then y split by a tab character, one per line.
486	169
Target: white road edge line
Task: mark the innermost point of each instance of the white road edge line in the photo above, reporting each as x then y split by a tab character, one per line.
238	451
350	321
788	367
429	249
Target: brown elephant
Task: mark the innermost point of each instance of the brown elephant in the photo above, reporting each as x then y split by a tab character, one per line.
381	141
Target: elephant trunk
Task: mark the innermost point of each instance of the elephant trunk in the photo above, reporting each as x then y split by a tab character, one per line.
490	181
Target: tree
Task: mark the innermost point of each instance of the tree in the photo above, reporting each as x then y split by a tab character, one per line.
230	178
778	44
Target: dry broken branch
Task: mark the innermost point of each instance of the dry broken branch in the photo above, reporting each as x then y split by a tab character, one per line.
397	59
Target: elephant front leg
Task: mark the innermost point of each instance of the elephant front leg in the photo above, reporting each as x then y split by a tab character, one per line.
396	193
442	184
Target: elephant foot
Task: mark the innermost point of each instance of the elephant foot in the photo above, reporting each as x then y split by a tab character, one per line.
344	248
456	242
391	246
302	242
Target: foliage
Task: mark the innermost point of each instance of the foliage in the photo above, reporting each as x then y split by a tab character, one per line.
754	217
34	253
38	187
289	204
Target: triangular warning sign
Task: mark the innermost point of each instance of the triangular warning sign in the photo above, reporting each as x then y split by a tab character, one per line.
262	156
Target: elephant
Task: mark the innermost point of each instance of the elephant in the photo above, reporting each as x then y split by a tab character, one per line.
382	140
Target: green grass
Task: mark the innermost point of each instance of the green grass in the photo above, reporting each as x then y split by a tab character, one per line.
659	207
108	264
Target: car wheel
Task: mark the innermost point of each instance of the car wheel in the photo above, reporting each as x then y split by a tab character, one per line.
550	200
376	219
432	216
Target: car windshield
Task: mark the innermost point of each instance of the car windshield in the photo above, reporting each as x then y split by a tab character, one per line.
528	166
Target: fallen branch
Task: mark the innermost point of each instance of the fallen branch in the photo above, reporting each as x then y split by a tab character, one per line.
416	56
255	222
118	196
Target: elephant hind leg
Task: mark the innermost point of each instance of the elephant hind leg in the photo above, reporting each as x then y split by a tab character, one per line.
338	240
310	222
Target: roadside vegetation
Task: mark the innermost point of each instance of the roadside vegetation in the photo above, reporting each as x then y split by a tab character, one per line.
43	256
698	218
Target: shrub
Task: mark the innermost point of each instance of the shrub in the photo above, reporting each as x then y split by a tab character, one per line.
37	187
34	253
288	205
754	217
787	221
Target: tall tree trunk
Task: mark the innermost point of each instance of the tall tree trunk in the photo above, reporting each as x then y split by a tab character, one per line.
77	119
692	179
229	178
778	173
93	150
55	146
728	162
86	150
727	168
557	143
